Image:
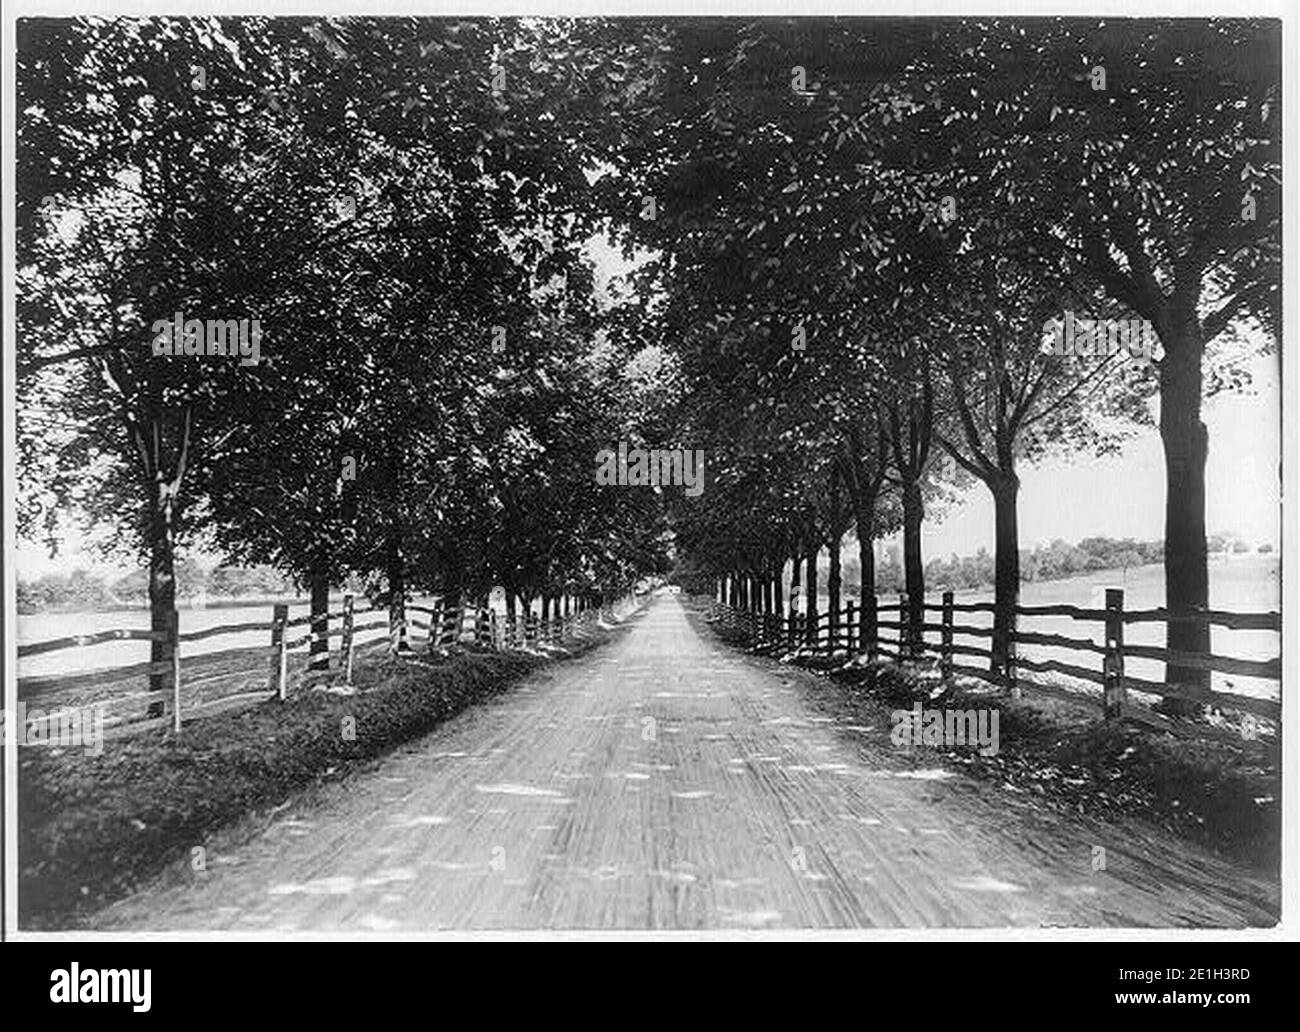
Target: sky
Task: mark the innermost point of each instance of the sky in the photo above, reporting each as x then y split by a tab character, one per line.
1124	495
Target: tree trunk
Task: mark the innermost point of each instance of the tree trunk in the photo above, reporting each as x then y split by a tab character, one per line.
795	562
810	628
396	592
318	656
162	591
833	584
867	593
1187	582
794	596
914	572
1006	567
778	589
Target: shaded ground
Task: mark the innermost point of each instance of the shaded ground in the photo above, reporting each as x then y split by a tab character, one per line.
665	781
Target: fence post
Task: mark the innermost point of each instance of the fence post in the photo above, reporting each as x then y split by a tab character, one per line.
397	633
435	628
1112	668
945	651
279	641
904	629
871	626
174	632
348	618
1012	683
318	651
849	626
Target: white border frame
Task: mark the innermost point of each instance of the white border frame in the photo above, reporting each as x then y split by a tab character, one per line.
1288	930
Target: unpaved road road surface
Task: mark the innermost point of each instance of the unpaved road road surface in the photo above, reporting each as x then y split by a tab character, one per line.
664	781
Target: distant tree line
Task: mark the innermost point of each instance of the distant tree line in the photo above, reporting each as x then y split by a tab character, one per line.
82	591
1041	563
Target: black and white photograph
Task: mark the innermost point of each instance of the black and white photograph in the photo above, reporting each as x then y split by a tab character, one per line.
723	474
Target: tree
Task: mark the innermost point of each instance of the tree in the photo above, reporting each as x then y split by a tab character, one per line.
129	207
1152	158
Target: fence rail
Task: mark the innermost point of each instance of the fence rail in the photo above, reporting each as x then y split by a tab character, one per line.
450	626
854	630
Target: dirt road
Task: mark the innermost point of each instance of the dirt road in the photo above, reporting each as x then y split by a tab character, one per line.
667	782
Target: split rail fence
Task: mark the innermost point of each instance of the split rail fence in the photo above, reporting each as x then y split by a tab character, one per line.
849	632
445	628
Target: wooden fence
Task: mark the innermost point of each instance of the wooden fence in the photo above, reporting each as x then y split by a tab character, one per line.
848	632
446	627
